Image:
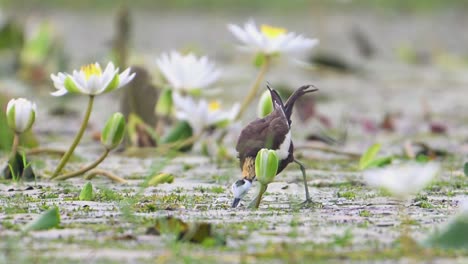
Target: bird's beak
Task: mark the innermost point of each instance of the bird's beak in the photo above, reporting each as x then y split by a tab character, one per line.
235	203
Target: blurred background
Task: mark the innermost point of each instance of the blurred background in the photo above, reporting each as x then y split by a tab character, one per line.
376	58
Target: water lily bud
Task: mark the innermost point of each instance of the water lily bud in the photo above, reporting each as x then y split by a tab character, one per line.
265	105
164	104
21	114
114	131
266	165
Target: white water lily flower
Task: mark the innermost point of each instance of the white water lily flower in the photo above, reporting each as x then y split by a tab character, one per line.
91	80
202	114
402	180
21	114
271	40
187	72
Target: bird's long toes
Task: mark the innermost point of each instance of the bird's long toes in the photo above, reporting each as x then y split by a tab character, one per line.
308	203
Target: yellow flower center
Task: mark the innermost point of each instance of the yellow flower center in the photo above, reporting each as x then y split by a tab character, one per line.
91	69
214	106
272	32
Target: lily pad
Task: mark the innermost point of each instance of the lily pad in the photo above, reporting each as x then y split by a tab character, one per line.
48	220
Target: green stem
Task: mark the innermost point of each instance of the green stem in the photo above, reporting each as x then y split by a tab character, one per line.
14	145
77	139
254	89
46	151
105	173
85	169
262	190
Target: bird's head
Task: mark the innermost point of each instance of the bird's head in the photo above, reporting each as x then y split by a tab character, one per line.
240	189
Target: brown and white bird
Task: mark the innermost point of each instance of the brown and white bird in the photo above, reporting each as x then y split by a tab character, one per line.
272	132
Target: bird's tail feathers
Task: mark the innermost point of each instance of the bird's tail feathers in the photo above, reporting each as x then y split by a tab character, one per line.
275	97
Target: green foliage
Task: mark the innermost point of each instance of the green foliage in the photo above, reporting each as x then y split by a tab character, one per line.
114	131
265	105
134	124
346	194
369	156
161	178
465	168
49	219
37	49
18	168
27	139
266	165
346	239
87	193
11	36
259	60
164	105
364	213
369	159
180	131
454	235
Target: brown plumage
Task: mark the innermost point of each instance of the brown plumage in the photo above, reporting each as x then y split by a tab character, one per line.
268	132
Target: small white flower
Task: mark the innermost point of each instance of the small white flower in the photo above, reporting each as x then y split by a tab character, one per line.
202	114
271	40
21	114
402	180
91	80
187	72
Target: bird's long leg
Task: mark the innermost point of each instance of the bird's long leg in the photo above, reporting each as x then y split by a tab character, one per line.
301	166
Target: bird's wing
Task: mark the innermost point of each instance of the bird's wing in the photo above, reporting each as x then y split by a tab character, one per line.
267	132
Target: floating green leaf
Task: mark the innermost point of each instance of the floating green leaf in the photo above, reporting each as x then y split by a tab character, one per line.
380	162
87	193
49	219
161	178
454	235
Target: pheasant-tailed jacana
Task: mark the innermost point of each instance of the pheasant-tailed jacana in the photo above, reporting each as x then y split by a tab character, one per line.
272	132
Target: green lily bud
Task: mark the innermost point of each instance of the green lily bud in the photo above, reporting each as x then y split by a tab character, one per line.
164	104
114	131
265	105
266	165
21	114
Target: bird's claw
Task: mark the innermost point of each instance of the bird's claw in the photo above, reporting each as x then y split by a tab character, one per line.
308	203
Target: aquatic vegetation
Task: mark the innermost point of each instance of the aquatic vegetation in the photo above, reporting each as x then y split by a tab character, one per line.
21	114
270	40
187	73
91	81
266	168
202	114
168	181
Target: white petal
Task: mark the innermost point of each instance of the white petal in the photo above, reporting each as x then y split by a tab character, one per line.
59	92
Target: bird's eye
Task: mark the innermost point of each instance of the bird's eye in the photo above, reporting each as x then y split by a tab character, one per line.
240	183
